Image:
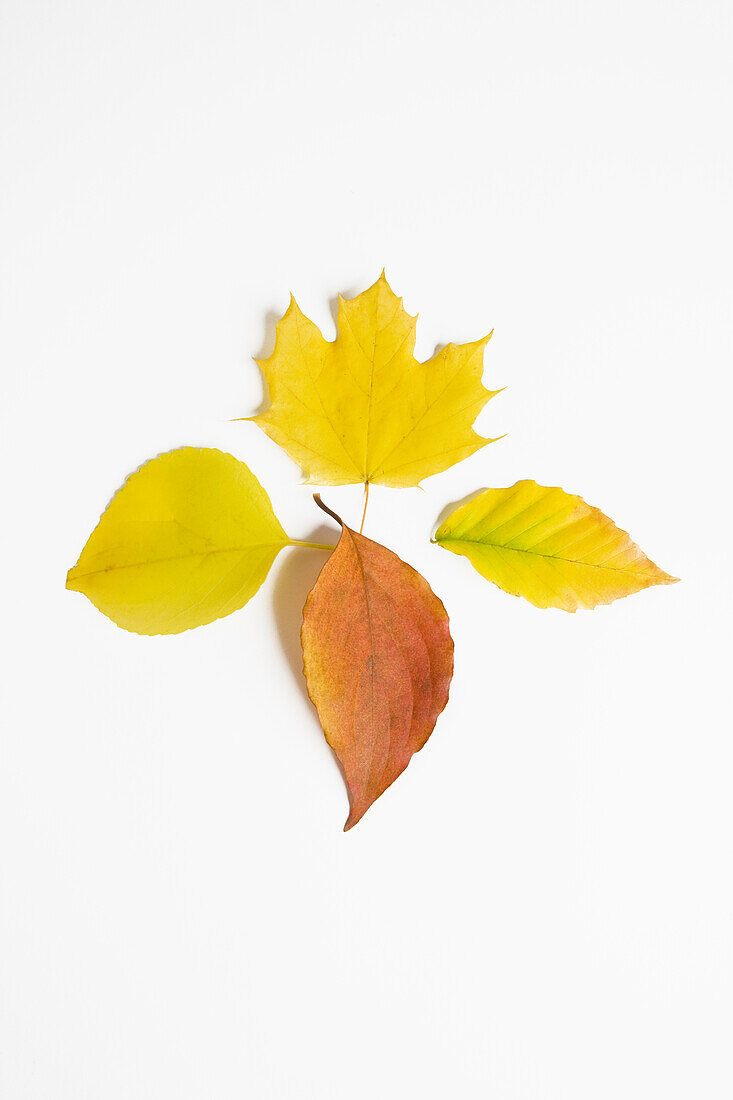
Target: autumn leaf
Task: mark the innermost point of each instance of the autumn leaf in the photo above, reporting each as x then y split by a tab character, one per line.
378	661
361	408
548	546
189	538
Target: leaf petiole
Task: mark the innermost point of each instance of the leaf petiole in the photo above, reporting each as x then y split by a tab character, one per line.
312	545
366	501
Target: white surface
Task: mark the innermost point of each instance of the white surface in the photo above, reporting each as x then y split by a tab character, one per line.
541	908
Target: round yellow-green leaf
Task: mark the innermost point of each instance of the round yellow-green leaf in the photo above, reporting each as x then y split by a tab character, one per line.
189	538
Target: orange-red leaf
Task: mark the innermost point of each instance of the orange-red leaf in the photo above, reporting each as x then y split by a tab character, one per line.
378	660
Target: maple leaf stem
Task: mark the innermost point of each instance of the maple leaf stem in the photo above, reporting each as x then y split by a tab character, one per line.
366	501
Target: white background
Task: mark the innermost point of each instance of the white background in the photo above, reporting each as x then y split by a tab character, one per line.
541	907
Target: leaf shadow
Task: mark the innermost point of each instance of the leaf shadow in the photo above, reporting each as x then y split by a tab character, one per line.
268	340
457	504
265	350
333	307
295	578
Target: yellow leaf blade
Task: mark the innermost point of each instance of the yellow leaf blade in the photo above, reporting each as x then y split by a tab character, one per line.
189	538
548	546
362	408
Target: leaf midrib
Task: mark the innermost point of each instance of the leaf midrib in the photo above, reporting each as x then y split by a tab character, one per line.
537	554
73	575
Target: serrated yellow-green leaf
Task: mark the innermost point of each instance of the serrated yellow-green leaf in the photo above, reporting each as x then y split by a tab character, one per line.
548	546
189	538
362	408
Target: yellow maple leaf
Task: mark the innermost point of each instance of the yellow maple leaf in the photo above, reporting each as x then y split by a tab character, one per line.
548	546
362	408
